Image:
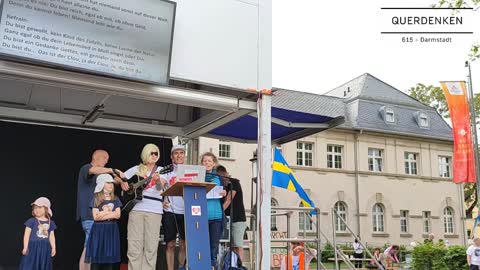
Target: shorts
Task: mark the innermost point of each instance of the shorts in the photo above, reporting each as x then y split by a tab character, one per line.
173	224
474	267
87	227
238	231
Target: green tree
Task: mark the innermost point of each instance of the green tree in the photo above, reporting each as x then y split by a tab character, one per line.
433	96
475	4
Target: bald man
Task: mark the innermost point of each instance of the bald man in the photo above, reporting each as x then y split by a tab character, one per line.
87	178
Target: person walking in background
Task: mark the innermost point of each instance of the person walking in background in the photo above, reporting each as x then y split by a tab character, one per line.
358	252
430	238
473	255
39	238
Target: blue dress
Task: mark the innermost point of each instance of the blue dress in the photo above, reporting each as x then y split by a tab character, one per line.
103	245
39	254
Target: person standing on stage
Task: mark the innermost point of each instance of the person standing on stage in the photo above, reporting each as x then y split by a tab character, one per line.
234	199
214	207
143	229
173	219
86	185
103	247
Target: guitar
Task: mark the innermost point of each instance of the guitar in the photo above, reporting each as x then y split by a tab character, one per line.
136	186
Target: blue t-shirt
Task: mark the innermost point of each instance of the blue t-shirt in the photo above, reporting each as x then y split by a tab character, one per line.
40	229
107	205
85	188
214	206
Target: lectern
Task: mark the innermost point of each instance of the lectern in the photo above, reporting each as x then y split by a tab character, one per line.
196	221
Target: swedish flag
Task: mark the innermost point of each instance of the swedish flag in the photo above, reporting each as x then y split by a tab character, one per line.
283	177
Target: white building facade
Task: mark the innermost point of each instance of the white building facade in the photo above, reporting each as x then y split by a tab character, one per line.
387	170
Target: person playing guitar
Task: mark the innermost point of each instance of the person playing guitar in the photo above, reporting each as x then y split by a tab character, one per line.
146	216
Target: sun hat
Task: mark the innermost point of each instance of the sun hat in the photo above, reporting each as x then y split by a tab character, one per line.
43	201
101	180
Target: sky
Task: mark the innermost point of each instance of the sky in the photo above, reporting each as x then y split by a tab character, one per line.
319	45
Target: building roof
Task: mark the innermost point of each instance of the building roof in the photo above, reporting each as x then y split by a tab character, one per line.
363	101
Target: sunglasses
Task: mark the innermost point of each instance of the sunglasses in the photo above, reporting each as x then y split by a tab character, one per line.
154	153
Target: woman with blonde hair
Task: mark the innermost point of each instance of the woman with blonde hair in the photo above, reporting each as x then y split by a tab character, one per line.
146	216
214	207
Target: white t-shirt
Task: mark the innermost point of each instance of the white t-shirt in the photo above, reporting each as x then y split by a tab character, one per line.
474	253
177	204
357	247
147	205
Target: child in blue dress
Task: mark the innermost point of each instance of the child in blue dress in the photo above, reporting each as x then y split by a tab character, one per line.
39	238
103	246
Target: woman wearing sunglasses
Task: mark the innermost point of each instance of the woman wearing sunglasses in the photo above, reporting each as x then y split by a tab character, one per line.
146	216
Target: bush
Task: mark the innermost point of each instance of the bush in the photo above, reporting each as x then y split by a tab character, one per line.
327	252
456	258
429	257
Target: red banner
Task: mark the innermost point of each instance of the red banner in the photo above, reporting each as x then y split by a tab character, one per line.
463	155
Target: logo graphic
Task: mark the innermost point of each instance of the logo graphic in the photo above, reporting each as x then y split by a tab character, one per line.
196	210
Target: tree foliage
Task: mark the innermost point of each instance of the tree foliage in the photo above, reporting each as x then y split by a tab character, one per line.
475	4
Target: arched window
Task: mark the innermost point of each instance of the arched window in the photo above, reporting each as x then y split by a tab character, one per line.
273	219
341	209
448	220
304	220
378	218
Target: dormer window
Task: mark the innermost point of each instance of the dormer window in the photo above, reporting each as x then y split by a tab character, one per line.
389	115
423	120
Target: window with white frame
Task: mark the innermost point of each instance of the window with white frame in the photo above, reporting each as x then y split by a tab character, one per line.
375	160
423	120
378	218
224	150
426	222
448	220
444	166
341	209
304	222
273	218
389	115
411	163
304	154
404	221
334	156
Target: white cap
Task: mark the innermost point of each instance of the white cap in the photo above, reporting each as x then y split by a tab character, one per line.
177	147
101	180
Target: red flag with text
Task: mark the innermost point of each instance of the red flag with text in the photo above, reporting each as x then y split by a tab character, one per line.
463	155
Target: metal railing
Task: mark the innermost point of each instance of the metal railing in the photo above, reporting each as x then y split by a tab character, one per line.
289	239
344	257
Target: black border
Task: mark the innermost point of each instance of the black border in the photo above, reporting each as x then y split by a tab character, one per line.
47	64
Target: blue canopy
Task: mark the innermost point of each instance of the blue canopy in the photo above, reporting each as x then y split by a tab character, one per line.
293	117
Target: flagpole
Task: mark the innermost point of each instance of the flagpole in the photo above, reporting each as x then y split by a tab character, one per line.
473	117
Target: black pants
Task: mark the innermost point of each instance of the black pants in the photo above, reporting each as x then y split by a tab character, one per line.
474	267
358	264
102	266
